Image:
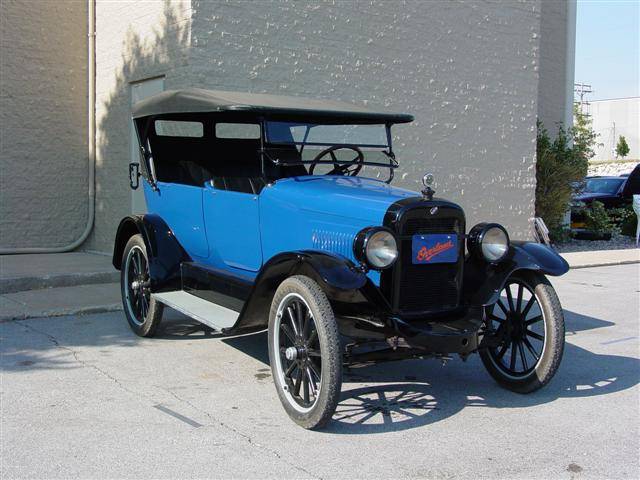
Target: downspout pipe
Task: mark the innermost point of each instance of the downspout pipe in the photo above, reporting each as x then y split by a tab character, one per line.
91	128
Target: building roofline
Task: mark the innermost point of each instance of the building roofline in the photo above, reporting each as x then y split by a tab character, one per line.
618	98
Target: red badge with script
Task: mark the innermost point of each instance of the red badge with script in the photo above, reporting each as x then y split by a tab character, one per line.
434	248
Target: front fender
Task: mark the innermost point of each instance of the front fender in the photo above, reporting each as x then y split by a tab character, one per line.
163	249
483	282
340	279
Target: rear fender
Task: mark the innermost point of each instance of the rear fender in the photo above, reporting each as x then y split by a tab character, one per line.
163	249
483	282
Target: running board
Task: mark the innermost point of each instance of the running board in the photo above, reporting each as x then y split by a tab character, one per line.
211	314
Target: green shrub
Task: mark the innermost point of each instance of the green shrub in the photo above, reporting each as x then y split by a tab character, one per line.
560	164
598	219
561	234
622	148
625	220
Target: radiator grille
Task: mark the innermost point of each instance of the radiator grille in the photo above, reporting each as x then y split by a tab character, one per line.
426	225
427	288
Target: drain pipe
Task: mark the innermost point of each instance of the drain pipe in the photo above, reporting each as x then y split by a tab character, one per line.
91	128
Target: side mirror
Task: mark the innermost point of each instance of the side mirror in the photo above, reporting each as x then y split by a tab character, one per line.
134	175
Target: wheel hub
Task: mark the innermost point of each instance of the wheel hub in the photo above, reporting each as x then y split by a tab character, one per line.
516	327
291	353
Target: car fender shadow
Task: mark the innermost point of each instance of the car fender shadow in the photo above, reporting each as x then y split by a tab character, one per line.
434	393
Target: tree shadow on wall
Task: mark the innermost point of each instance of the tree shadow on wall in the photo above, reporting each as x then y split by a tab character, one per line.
151	56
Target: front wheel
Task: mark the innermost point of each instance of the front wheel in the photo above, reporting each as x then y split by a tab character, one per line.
304	352
529	321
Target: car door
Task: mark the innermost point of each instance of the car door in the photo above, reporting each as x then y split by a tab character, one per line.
179	184
232	220
180	206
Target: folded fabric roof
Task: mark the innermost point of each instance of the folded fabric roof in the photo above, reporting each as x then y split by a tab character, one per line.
196	100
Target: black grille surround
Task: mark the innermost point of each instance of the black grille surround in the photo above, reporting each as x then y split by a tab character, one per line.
420	290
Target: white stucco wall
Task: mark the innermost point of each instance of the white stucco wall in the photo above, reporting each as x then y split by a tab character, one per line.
467	71
43	123
612	118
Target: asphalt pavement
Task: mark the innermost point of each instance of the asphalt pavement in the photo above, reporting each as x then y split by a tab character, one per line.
83	397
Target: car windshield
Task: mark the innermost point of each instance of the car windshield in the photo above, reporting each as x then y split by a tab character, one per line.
324	145
374	136
603	185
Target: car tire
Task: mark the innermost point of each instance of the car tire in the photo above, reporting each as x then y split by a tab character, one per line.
306	366
532	335
143	312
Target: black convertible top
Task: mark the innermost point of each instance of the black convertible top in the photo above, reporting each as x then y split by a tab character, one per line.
196	100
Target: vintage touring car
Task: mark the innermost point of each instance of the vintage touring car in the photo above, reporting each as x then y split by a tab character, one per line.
257	219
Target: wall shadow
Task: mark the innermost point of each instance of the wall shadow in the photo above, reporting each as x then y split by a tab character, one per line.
158	53
36	344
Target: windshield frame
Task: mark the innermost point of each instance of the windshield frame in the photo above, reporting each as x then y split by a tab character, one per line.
387	150
311	125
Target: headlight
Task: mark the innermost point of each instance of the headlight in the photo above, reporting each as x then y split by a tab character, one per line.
489	241
376	247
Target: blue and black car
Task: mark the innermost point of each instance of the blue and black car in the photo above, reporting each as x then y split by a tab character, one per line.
278	213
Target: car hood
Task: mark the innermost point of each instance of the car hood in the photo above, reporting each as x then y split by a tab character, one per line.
353	197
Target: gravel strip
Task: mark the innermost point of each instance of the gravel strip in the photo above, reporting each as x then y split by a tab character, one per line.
618	242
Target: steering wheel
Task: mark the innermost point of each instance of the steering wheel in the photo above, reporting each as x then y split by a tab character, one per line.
349	169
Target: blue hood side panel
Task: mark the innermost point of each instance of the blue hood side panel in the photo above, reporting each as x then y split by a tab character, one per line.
322	213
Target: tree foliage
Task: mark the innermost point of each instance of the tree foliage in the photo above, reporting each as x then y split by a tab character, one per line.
622	149
560	165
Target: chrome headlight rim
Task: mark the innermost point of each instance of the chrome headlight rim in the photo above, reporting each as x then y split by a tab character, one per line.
363	243
477	237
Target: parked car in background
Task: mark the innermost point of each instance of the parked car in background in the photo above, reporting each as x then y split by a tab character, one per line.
612	192
607	190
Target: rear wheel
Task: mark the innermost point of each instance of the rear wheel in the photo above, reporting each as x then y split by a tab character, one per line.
304	352
142	311
529	320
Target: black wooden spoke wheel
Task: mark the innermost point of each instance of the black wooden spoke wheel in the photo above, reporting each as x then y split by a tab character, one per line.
304	351
528	321
142	311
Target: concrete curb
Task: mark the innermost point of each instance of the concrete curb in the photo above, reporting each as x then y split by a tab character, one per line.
61	313
602	258
21	284
604	264
60	301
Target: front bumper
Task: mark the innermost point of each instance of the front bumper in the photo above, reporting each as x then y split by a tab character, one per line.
441	336
455	334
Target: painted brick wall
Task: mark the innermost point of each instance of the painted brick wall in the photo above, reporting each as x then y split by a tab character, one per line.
467	71
43	123
553	58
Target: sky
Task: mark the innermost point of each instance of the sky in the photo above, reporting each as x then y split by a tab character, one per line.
608	47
